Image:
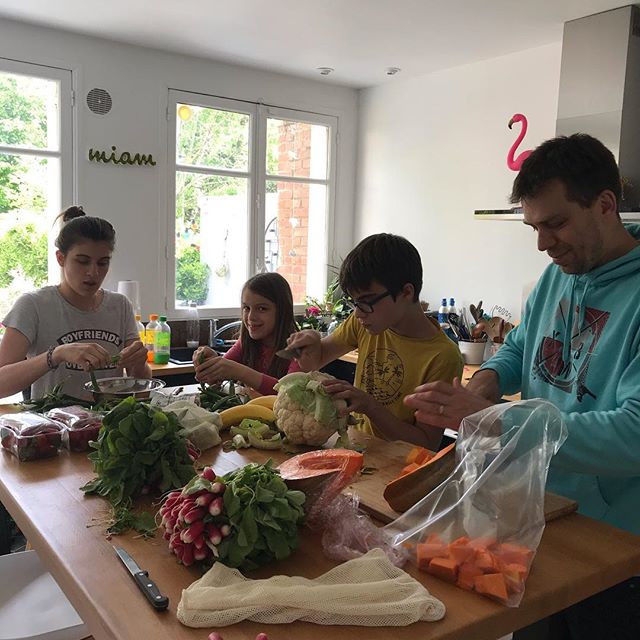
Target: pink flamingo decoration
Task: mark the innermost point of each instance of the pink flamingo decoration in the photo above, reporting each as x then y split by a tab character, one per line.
515	163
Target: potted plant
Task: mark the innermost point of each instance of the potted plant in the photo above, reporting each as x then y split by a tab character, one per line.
326	313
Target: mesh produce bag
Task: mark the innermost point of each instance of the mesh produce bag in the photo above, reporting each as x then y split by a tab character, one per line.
368	591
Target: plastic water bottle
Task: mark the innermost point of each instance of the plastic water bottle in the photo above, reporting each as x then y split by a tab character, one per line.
140	327
150	335
162	342
193	326
443	313
452	306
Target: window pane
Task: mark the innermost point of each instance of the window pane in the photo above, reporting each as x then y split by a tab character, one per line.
211	239
29	200
294	213
29	112
212	138
297	149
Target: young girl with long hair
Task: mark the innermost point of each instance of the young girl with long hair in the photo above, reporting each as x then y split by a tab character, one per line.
58	333
267	322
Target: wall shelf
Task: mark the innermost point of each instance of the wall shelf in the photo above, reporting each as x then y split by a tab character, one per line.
516	214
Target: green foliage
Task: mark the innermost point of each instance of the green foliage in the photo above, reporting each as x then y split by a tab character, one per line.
138	449
192	277
211	138
24	249
319	312
22	120
264	515
217	139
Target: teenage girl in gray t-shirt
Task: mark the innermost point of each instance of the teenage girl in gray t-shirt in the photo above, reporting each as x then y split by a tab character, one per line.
57	334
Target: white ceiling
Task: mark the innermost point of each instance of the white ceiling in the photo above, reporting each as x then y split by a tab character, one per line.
360	39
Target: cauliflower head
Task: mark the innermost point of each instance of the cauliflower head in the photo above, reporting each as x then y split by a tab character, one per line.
304	411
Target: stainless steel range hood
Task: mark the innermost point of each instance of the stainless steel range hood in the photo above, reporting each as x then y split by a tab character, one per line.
600	88
599	94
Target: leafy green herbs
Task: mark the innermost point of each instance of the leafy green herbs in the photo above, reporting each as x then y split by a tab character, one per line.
264	516
138	451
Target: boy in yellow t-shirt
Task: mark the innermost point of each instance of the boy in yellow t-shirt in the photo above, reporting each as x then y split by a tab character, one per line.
399	347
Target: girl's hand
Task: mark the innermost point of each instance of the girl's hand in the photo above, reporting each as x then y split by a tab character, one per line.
201	354
356	399
215	369
133	356
87	355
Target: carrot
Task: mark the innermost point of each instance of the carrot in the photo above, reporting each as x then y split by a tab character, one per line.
434	538
444	568
460	552
514	553
467	573
492	585
485	561
514	576
415	482
419	455
409	468
426	551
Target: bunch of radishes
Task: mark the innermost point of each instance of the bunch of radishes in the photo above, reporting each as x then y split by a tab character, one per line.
193	519
193	451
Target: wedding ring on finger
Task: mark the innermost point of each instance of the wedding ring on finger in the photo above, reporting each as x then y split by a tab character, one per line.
441	409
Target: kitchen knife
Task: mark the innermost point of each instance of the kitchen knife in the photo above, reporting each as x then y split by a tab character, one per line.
288	354
144	582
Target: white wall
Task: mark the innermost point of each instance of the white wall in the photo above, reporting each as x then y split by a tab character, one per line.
135	199
432	149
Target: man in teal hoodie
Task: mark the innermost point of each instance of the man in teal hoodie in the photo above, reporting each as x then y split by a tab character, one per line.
578	345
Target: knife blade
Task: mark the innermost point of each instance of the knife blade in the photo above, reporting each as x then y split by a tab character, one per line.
144	582
288	354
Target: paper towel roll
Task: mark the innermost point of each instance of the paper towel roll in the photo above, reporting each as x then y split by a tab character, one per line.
131	289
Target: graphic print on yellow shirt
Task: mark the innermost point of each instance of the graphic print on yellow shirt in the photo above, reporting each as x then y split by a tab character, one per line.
391	366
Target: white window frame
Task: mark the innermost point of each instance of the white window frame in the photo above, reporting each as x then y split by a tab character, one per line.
65	152
257	178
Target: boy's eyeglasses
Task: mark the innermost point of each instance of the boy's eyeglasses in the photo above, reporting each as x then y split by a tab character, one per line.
367	306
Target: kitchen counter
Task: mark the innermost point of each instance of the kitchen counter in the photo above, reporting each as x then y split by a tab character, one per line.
66	530
170	369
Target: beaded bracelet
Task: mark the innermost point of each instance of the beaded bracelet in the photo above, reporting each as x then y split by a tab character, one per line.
50	351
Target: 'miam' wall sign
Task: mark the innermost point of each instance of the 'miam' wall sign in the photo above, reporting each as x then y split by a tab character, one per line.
126	158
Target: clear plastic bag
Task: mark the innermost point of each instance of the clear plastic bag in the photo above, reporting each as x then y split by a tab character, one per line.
481	527
349	533
30	436
83	426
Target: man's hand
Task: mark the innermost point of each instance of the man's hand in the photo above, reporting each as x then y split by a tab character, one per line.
357	400
441	404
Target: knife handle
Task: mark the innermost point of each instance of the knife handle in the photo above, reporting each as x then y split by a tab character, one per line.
151	591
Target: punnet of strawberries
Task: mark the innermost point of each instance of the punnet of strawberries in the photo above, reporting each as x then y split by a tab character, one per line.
245	519
30	436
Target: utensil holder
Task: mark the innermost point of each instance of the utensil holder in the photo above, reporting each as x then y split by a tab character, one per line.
472	352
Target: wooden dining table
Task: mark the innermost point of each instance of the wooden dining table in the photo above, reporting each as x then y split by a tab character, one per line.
577	557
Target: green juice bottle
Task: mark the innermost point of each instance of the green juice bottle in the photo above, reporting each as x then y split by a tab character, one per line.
162	342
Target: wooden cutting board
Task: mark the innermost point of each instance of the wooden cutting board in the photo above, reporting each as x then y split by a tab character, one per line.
385	460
